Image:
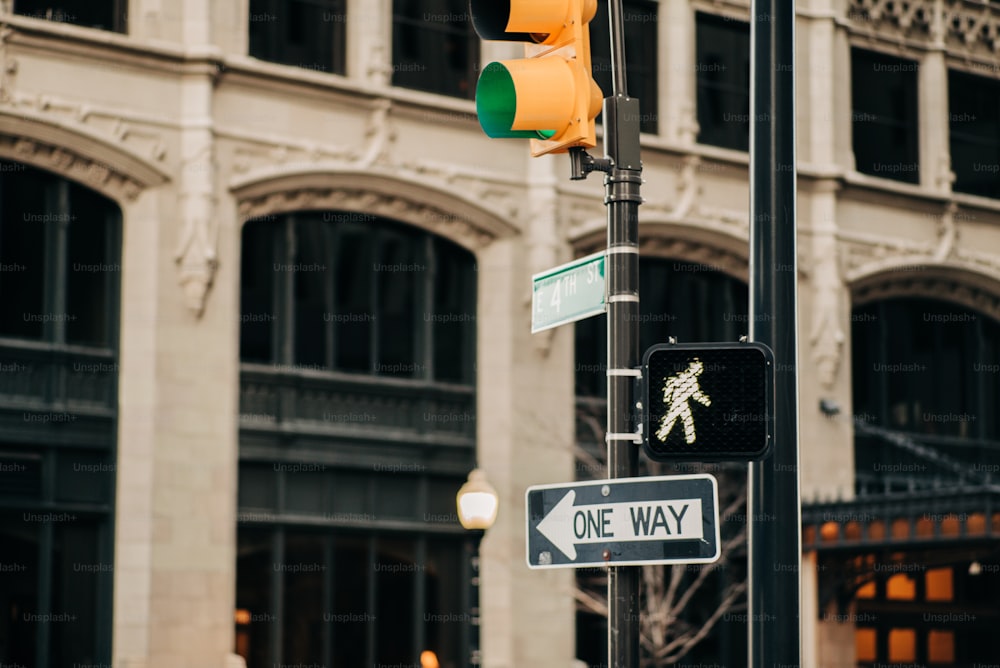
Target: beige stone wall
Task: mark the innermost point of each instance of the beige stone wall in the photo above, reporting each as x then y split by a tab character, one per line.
191	137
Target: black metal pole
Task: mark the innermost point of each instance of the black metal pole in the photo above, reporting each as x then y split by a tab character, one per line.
774	501
621	188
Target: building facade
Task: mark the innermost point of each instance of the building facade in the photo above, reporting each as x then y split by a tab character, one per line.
265	302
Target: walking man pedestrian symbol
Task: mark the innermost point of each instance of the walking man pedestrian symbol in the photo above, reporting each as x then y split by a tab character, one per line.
678	390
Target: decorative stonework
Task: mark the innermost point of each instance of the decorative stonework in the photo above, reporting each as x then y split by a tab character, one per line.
711	257
972	23
398	207
379	137
826	335
8	65
961	24
910	17
116	183
197	260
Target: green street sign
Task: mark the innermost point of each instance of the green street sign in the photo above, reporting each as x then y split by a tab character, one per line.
569	292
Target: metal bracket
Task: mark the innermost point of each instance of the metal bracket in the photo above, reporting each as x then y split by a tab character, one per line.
582	163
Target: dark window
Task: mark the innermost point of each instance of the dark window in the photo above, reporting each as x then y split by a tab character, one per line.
100	14
884	116
692	302
723	75
59	276
927	369
434	47
974	125
302	33
58	244
641	56
365	597
361	297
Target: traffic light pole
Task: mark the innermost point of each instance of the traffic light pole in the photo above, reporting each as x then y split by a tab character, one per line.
623	177
774	502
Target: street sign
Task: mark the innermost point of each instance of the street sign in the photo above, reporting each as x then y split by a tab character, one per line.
626	521
708	401
567	293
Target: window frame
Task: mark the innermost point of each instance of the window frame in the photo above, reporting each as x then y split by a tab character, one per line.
270	17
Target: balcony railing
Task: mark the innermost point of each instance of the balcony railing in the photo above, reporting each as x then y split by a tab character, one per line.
325	403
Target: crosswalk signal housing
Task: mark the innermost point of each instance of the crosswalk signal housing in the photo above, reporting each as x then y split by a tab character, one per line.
549	96
708	402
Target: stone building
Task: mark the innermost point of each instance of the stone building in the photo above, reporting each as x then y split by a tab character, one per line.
264	303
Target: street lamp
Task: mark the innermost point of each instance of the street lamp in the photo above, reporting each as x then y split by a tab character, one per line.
477	502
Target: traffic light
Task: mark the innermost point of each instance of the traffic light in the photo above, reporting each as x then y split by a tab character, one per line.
708	401
549	96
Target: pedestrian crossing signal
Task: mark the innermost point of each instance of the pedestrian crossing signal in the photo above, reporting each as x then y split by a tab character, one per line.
708	401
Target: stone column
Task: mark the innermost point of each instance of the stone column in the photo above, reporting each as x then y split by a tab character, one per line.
525	428
932	91
136	432
369	41
677	78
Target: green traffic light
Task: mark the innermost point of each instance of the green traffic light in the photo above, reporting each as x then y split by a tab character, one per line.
496	105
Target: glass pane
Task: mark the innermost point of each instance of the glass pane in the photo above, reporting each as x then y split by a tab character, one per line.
351	619
302	33
640	22
18	590
24	216
397	496
99	14
76	572
257	279
257	486
396	611
723	71
255	614
20	476
884	104
434	47
84	477
446	621
455	314
397	273
303	570
312	286
974	125
353	316
92	270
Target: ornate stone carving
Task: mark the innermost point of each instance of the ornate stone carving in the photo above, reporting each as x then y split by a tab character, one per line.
197	255
379	136
826	335
963	25
972	23
372	203
114	182
911	17
197	260
8	65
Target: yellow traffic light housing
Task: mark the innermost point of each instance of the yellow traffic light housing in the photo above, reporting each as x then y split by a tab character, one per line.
549	96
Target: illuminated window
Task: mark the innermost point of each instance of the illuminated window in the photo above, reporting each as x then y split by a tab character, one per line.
902	645
901	587
864	644
941	646
866	591
939	585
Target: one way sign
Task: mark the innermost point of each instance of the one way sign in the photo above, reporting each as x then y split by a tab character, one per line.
627	521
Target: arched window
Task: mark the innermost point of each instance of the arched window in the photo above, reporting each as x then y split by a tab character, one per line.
694	303
690	301
357	427
928	370
59	291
